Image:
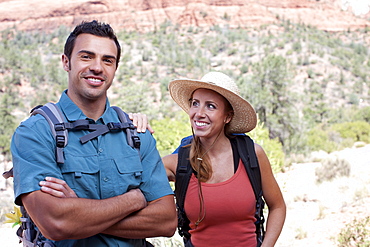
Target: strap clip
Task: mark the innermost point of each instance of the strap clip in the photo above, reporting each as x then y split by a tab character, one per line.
114	126
60	140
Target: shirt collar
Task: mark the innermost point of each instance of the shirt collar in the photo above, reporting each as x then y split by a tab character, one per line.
73	113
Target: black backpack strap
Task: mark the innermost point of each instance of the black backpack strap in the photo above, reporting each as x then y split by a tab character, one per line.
248	155
183	174
55	118
59	127
132	138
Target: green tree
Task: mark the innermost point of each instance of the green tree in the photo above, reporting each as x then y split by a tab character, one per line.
270	94
133	97
8	101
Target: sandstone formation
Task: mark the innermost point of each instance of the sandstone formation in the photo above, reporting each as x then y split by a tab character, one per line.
145	15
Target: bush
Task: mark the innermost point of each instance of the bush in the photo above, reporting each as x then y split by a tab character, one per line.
318	139
338	136
364	113
357	131
169	132
332	168
355	234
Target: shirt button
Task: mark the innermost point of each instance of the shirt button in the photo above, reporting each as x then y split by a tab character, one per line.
105	179
100	150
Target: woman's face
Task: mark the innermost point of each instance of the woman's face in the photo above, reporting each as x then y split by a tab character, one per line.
208	113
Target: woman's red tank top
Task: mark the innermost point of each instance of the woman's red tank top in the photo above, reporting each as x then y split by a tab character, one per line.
229	206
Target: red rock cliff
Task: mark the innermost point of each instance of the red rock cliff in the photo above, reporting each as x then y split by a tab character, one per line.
144	15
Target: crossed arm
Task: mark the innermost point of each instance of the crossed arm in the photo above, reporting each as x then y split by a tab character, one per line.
126	216
75	218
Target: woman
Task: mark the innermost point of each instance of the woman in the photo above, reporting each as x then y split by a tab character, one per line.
220	210
219	201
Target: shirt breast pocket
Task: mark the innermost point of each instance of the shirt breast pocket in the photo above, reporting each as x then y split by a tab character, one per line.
82	174
129	170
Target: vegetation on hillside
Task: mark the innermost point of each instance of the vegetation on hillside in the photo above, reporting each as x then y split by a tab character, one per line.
310	88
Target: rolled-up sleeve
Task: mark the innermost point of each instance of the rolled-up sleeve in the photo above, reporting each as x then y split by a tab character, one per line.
154	181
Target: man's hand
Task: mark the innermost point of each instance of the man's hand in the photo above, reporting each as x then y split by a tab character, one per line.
57	187
140	121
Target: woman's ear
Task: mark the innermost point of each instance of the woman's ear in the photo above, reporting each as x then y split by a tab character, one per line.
228	117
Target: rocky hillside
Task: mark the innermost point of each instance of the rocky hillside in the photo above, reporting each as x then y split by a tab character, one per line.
144	15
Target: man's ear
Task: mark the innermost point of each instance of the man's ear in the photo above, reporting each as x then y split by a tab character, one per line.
66	64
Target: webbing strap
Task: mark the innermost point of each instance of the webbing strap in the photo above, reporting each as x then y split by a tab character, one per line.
99	129
132	139
60	127
54	117
250	161
183	174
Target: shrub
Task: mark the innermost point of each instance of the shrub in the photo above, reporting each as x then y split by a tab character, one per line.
331	168
363	114
318	139
300	233
169	132
355	234
357	131
338	136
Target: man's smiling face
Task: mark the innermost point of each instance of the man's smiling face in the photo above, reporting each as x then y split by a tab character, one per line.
91	68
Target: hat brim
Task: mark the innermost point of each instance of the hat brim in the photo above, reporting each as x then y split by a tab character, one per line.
244	119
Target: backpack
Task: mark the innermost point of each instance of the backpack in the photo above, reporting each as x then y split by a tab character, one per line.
183	173
27	232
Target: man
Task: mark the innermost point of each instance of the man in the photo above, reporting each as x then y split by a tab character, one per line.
120	200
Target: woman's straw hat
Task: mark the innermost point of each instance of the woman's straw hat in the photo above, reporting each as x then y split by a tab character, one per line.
244	119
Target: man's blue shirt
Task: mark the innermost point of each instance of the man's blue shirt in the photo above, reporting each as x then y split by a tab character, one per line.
101	168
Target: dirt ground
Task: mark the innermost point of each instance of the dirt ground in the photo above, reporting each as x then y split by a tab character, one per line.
315	212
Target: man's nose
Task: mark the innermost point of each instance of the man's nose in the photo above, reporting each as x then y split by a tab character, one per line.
96	66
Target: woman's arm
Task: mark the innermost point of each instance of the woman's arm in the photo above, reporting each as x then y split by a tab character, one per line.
274	200
170	163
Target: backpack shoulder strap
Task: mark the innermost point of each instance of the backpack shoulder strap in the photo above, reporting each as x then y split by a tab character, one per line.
55	118
183	174
132	138
248	155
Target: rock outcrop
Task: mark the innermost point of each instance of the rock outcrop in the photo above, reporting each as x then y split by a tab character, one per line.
145	15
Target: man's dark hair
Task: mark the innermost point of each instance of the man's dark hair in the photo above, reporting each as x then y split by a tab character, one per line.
95	28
